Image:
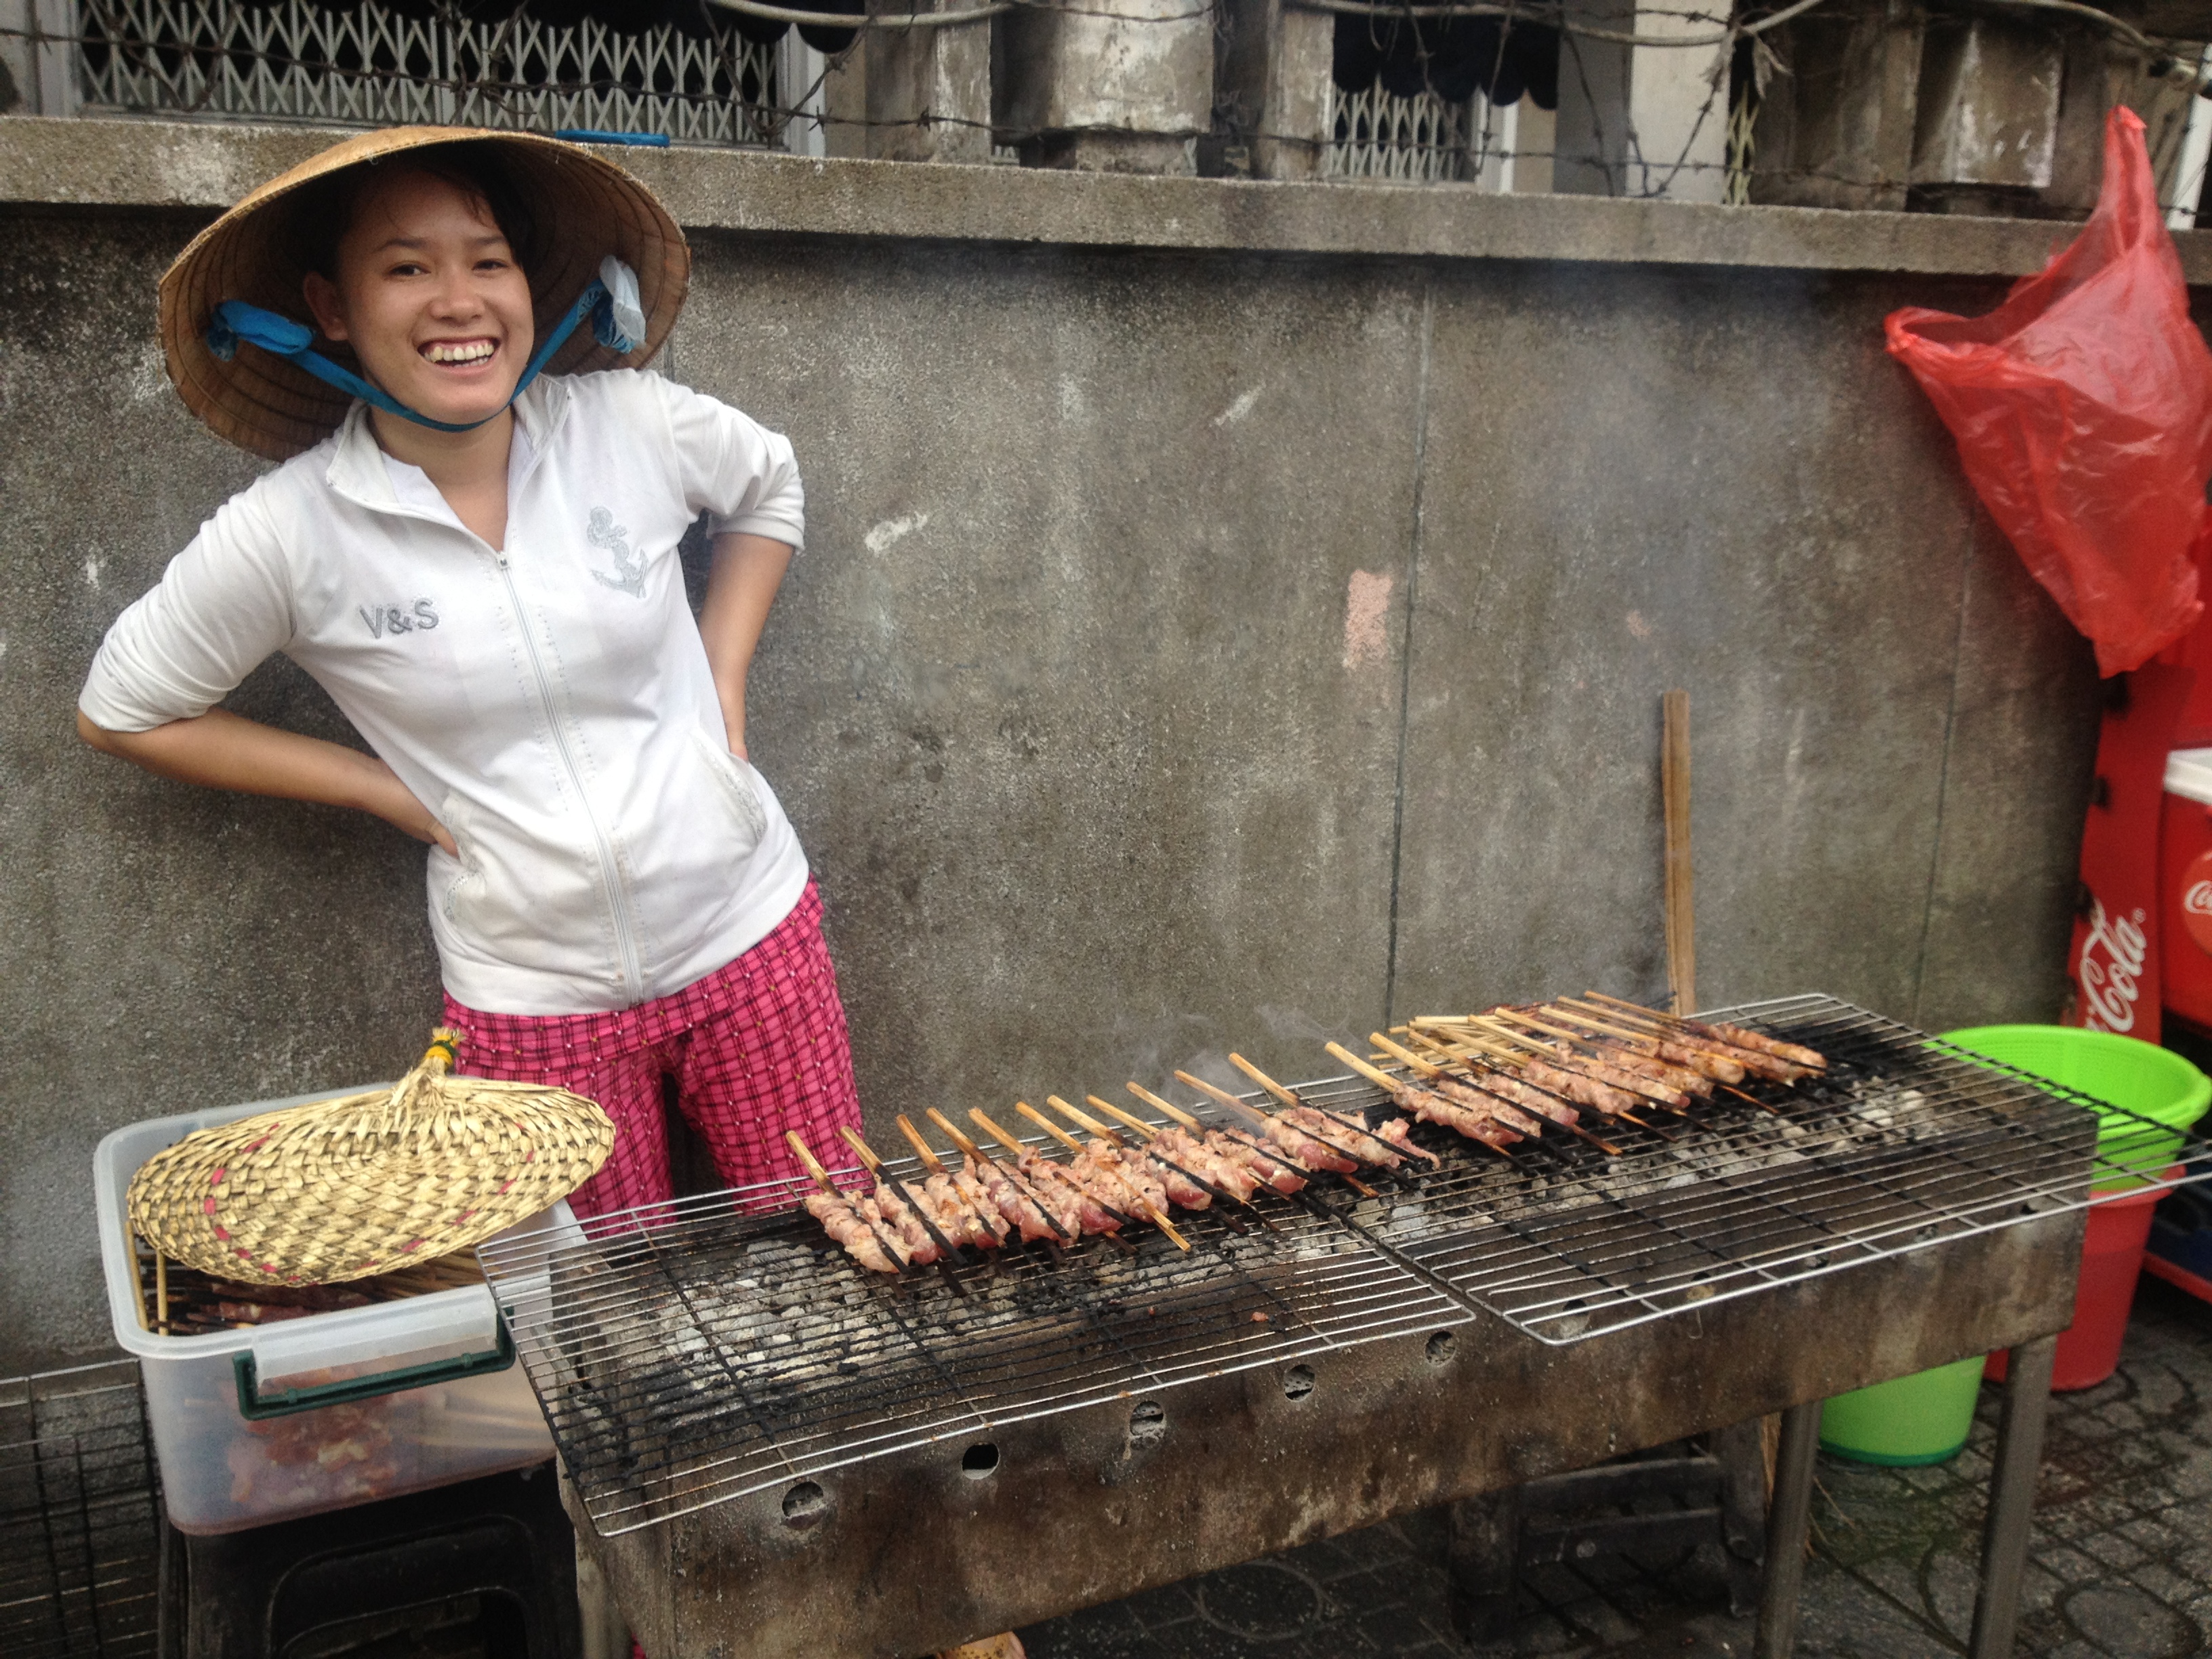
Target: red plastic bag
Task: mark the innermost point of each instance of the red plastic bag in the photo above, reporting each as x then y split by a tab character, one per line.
2082	406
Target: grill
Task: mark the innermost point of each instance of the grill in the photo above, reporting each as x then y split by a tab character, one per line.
718	1365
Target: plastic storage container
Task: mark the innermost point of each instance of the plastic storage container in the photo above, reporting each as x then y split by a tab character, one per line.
319	1412
2184	887
2150	1082
1921	1419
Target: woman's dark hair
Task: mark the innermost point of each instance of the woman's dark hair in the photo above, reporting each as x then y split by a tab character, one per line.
323	212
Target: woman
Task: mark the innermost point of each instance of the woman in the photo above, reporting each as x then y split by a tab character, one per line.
479	563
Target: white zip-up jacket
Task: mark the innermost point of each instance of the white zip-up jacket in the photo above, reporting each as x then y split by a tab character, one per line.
549	702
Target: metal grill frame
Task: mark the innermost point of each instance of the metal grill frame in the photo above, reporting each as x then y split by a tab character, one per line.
1399	1277
80	1517
297	61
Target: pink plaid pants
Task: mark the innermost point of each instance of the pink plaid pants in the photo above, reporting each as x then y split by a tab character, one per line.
756	1047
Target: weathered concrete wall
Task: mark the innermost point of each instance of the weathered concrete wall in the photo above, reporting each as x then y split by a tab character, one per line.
1197	646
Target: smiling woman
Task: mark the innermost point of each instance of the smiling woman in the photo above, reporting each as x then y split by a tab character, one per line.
479	562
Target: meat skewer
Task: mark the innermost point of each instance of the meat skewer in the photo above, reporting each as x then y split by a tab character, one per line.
1735	1036
986	1227
1223	1176
904	1198
1476	1125
1709	1050
1185	1188
1271	1169
1721	1067
1310	1153
1486	1074
1473	1095
1096	1217
1696	1084
1562	1057
1516	1071
1315	1119
1019	1205
862	1238
1097	1160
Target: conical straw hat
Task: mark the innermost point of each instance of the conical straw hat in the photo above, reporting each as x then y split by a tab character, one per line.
586	209
340	1189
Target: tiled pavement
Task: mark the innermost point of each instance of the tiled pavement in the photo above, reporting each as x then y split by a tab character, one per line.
2121	1568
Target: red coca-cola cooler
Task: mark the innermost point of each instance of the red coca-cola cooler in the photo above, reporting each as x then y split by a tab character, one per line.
2184	888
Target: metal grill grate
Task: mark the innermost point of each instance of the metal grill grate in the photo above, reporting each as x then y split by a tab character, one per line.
715	1354
80	1517
297	60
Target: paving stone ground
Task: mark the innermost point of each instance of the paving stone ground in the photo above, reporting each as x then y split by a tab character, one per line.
2121	1564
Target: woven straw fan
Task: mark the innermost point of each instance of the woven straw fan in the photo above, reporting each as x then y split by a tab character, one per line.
342	1189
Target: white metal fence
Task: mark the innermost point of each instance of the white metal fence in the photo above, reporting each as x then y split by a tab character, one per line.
1420	140
295	60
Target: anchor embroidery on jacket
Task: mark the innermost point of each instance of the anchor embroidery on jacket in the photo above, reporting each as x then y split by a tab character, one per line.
603	532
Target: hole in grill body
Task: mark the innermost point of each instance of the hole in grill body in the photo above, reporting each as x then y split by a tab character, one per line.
1298	1383
980	1461
728	1347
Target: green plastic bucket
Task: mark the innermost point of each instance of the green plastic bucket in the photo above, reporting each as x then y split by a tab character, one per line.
1922	1419
2137	1077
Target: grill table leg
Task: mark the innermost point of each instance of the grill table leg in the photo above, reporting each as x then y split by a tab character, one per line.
2012	1498
1787	1516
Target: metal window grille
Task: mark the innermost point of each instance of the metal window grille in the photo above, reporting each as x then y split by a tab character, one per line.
1420	140
80	1517
295	60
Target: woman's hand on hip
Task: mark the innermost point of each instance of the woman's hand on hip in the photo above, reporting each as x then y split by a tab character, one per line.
396	804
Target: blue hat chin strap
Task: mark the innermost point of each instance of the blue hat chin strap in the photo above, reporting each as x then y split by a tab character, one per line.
609	300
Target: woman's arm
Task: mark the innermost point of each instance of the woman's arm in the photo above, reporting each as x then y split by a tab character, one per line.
747	571
224	750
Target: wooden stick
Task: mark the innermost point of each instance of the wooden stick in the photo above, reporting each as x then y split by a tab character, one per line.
1144	1203
947	1250
1174	1111
1128	1119
1150	1132
1086	1120
1264	1080
1013	1143
982	1157
1674	792
935	1165
1488	1053
892	1253
1245	1110
161	1291
1290	1098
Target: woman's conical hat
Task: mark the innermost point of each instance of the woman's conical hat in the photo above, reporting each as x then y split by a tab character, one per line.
340	1189
585	209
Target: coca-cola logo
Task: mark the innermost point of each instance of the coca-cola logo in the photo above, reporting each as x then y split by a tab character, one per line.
2198	901
2110	971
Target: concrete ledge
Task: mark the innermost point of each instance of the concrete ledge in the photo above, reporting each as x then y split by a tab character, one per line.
178	165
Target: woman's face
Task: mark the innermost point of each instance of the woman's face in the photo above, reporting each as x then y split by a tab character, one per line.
427	293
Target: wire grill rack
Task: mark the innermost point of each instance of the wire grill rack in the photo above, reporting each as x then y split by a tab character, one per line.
80	1517
704	1350
715	1353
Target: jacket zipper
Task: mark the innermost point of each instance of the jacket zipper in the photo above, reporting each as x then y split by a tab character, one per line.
625	938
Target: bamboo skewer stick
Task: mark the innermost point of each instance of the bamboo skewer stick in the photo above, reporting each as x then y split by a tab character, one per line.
813	1167
1242	1110
1699	1032
980	1156
875	1167
161	1291
935	1165
1674	796
1153	1211
1198	1127
1415	1063
1642	1090
1289	1097
1013	1143
1698	1084
1391	1085
1469	1052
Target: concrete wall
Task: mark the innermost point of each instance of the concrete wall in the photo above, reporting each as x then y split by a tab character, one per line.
1207	644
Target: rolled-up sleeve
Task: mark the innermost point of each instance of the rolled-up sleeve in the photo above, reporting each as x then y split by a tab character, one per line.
223	606
744	476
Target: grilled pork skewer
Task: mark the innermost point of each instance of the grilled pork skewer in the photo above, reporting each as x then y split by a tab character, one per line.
1477	1097
1310	1153
1734	1036
1277	1174
893	1195
1694	1083
1098	1217
859	1234
985	1226
1750	1059
1183	1189
1478	1127
1096	1162
1222	1176
1538	1074
1020	1206
1563	1056
1486	1074
1336	1129
1711	1062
